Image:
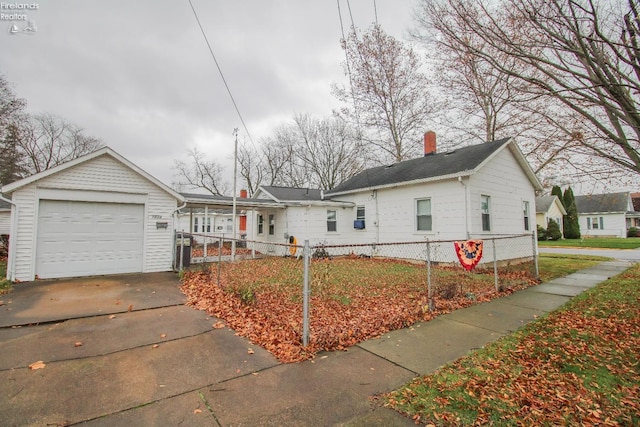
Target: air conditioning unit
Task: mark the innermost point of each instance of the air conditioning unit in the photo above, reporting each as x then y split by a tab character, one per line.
358	224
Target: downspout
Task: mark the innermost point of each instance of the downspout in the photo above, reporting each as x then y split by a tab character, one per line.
173	245
377	216
466	207
11	262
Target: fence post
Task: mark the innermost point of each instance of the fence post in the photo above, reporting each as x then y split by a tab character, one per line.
181	248
495	265
534	246
305	295
174	251
429	292
219	258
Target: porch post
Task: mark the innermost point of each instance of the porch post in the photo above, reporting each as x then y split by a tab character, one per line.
206	225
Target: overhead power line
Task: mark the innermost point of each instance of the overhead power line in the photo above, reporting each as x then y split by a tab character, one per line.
235	105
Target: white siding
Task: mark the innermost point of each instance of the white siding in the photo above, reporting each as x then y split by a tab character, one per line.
504	181
100	179
390	214
614	225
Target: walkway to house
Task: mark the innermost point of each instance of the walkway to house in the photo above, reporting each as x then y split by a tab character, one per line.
132	354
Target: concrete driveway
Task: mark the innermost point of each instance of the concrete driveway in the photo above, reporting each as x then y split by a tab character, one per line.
125	350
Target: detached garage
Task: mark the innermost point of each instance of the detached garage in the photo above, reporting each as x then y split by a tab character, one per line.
98	214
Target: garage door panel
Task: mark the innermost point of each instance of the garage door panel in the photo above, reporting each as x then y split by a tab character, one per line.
85	238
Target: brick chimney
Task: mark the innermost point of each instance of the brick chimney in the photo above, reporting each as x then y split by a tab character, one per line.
429	143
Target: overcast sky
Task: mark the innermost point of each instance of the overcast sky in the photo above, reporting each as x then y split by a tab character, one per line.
139	76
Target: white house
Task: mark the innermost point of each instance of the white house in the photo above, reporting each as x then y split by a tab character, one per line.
605	215
473	192
549	208
5	217
97	214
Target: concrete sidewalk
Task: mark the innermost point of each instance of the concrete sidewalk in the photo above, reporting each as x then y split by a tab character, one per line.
167	366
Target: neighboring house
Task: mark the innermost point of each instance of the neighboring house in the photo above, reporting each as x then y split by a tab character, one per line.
635	200
97	214
5	217
549	208
473	192
605	215
203	220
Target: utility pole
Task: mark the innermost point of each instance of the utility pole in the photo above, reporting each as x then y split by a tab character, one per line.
235	175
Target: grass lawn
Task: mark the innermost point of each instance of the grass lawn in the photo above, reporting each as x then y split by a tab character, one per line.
552	266
601	243
576	366
353	299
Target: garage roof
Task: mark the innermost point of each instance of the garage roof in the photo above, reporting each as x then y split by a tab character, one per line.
10	188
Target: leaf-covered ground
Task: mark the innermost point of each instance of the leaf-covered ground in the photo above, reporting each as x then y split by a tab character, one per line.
352	299
577	366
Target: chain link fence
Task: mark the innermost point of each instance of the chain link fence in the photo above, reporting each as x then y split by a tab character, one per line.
430	272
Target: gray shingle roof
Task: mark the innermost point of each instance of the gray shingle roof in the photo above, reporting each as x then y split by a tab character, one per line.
423	168
611	202
544	203
290	194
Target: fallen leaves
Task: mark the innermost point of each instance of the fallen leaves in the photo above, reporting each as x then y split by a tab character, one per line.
37	365
576	366
352	300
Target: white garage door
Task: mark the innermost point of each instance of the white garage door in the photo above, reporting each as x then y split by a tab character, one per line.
85	238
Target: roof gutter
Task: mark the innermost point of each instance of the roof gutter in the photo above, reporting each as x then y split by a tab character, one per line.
403	183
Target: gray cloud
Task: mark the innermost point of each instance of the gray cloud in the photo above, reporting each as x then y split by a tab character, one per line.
139	76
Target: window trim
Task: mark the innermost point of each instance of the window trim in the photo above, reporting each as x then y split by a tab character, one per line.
272	224
260	221
334	221
486	226
361	214
527	217
429	216
598	224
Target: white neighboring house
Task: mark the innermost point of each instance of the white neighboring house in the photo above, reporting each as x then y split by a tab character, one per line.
5	217
550	208
474	192
605	215
97	214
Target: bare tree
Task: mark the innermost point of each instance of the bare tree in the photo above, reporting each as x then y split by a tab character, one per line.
577	59
388	94
200	173
11	107
328	149
307	152
251	168
47	141
12	113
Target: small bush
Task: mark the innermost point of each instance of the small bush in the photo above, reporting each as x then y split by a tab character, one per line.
633	232
448	291
4	245
542	234
553	231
